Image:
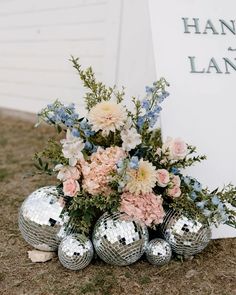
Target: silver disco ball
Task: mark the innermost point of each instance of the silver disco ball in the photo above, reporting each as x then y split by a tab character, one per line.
118	241
186	236
158	252
75	252
40	219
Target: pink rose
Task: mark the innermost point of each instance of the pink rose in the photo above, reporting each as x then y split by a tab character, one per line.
177	148
175	179
70	187
174	192
67	172
163	177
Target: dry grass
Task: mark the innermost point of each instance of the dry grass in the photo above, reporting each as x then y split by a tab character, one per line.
211	272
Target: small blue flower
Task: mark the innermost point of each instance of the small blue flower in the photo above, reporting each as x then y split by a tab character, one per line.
215	200
152	118
224	217
201	204
88	146
120	164
71	106
193	196
206	212
69	123
175	170
94	149
50	107
75	132
88	133
134	163
121	184
220	206
197	186
187	180
140	121
157	109
149	90
145	104
84	124
163	96
74	116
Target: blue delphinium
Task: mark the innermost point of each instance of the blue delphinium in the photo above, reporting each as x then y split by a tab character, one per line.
206	212
145	104
134	163
193	196
88	146
57	113
175	171
187	180
151	104
197	186
201	204
149	90
140	121
86	128
215	200
75	132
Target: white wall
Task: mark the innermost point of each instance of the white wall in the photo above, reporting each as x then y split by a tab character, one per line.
37	39
136	67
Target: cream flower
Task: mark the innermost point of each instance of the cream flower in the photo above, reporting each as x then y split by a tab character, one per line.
107	116
130	138
141	180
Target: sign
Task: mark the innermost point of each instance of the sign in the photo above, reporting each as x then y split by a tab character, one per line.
195	50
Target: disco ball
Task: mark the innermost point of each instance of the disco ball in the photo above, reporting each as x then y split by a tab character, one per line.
118	241
40	219
186	236
75	252
158	252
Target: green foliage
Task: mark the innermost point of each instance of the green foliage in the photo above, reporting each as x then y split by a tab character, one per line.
97	90
86	208
52	155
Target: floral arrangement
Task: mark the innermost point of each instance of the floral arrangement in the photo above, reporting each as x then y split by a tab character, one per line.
115	159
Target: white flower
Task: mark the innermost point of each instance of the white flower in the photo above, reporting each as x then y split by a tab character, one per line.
131	138
72	147
107	116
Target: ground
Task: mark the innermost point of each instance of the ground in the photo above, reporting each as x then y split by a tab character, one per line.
211	272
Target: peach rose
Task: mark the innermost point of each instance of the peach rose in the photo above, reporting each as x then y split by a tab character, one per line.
70	187
174	192
163	177
175	179
67	172
177	148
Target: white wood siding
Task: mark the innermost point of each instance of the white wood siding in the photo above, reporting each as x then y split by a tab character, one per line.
37	39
